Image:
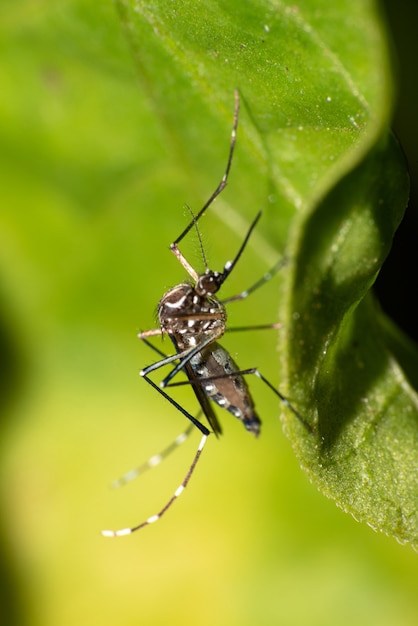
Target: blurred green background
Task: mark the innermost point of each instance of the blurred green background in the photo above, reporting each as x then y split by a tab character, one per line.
90	200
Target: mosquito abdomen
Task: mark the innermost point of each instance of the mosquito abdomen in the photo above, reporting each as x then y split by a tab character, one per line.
216	368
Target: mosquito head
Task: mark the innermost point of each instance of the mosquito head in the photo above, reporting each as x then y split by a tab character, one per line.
209	283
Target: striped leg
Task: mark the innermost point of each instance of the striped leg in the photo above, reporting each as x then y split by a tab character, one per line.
262	281
177	493
154	460
158	458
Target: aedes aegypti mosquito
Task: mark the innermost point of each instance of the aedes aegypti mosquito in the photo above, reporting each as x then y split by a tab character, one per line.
195	319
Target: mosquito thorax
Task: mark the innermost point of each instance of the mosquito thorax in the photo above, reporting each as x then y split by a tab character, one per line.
188	316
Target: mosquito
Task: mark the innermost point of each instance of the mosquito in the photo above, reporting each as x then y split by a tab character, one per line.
194	318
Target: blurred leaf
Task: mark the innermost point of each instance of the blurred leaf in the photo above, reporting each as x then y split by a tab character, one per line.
102	143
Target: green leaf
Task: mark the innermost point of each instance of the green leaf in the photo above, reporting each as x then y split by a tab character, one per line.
342	364
319	107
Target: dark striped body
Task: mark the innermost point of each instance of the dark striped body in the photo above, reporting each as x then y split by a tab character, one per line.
190	317
228	391
194	319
